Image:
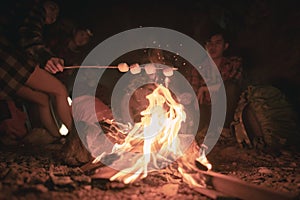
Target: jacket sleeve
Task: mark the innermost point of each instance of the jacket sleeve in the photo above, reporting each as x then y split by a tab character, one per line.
232	69
31	36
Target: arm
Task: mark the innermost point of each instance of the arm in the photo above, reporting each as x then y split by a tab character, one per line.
210	82
203	93
31	40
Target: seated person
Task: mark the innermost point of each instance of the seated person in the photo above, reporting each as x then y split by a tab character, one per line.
230	69
26	67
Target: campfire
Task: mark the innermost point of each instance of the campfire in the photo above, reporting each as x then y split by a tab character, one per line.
156	142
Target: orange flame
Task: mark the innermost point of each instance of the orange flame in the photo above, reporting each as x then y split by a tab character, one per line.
156	138
156	133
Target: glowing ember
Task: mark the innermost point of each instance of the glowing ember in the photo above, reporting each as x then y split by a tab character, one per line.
155	143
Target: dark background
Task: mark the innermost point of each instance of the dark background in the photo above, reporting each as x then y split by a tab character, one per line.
264	33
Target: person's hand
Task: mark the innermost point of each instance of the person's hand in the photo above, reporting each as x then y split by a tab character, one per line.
203	94
54	65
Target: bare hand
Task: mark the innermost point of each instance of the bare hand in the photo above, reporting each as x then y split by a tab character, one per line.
54	65
203	95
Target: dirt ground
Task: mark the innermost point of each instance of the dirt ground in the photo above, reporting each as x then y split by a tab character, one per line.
32	173
268	41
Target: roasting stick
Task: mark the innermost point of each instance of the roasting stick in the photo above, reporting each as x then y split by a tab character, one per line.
104	67
134	68
91	67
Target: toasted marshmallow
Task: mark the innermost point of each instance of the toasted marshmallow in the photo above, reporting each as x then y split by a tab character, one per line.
123	67
135	68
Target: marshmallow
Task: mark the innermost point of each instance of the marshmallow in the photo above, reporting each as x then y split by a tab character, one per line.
168	71
150	68
123	67
135	68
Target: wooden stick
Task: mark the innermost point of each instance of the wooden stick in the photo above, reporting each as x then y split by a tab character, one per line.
235	187
213	194
218	186
91	67
88	167
104	67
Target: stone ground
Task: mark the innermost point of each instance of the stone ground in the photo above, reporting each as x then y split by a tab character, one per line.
35	173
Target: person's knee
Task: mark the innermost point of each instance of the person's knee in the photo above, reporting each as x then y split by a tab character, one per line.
233	92
43	100
61	91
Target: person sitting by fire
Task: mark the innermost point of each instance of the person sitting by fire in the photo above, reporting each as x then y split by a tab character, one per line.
230	69
26	72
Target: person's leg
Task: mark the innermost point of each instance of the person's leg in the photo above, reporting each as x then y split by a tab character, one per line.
205	115
42	100
43	81
233	92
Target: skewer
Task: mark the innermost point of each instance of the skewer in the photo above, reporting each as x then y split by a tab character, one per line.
91	67
134	68
104	67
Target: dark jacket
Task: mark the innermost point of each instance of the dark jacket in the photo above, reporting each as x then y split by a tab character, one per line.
31	38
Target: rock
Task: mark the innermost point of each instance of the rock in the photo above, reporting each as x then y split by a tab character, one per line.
134	196
61	170
170	189
82	179
258	181
87	187
61	180
41	188
264	170
116	185
293	164
4	172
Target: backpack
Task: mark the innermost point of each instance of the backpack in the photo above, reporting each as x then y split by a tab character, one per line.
13	122
265	119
